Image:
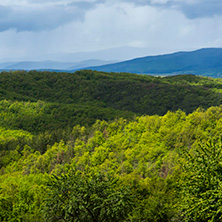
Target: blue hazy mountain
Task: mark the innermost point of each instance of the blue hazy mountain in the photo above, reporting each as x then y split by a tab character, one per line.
90	62
206	61
30	65
5	64
51	65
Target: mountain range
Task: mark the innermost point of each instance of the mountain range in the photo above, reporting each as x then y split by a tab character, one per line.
51	65
205	62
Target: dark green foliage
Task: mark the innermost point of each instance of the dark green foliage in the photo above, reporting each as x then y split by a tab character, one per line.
95	95
79	197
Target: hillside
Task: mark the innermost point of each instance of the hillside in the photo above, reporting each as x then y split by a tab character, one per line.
97	146
139	94
205	62
140	169
46	103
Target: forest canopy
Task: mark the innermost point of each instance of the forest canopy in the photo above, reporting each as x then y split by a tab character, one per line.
94	146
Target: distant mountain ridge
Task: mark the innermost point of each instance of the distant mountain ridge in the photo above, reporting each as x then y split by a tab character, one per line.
30	65
51	65
206	61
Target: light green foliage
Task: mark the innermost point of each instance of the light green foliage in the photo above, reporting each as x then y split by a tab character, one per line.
153	202
201	182
10	139
142	153
80	197
21	197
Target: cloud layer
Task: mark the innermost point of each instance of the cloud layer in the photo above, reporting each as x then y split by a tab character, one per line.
36	17
33	15
35	27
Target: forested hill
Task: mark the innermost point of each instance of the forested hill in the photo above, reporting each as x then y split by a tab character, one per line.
38	102
82	147
205	62
139	94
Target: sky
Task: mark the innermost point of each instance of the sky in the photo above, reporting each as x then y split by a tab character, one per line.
32	29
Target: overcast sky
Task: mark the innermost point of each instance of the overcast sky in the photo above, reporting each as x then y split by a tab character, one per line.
31	28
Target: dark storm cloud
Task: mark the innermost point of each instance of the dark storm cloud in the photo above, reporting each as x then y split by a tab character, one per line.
41	17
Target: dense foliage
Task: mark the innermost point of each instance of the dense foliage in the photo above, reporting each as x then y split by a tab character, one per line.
201	183
68	155
87	198
40	108
93	94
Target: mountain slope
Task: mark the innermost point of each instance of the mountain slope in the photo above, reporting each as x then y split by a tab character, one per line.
201	62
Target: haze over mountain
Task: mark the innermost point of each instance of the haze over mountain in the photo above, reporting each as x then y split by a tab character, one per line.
70	61
110	54
91	62
207	61
30	65
51	65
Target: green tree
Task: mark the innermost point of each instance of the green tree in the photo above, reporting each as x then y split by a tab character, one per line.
200	185
80	197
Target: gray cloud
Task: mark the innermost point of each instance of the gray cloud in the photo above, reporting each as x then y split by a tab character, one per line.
190	8
36	27
42	17
37	15
202	9
197	8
